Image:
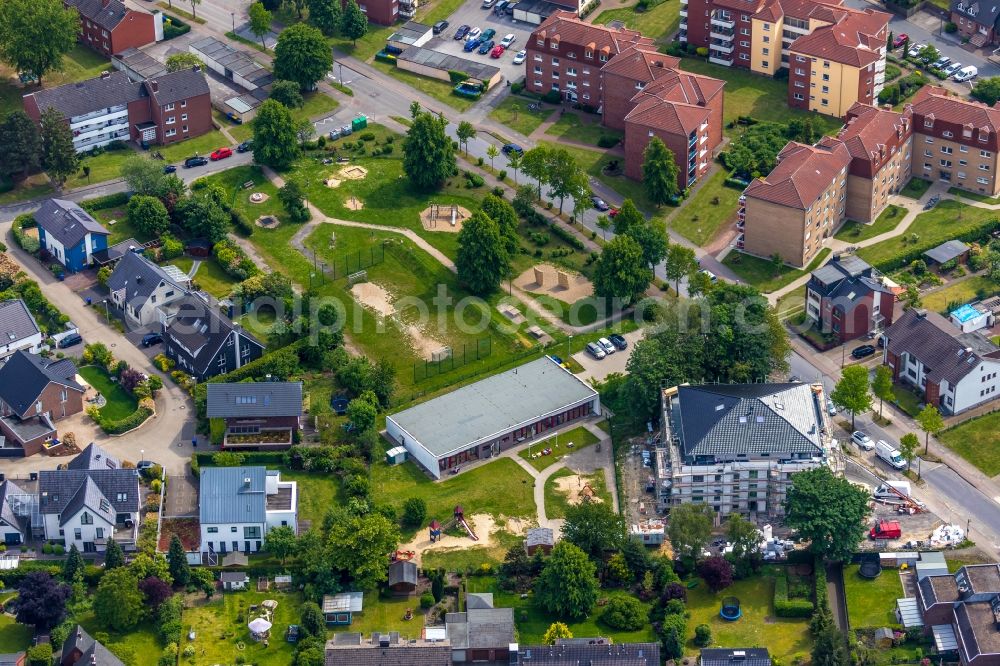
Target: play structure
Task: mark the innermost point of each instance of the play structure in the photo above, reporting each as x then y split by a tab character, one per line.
870	567
435	531
731	610
460	519
450	217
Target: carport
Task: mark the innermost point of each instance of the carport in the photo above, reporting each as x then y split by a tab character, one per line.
437	65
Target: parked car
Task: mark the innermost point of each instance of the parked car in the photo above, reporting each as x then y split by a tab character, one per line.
595	350
488	3
607	346
712	277
520	57
501	7
439	27
831	408
334	134
862	440
473	33
915	49
941	62
967	73
886	529
890	454
900	40
508	39
488	34
497	51
70	340
952	68
618	341
599	203
471	44
151	339
509	148
195	161
462	31
346	130
221	154
144	464
486	47
245	147
170	168
864	351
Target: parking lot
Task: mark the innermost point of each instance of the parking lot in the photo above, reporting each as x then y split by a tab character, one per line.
473	14
600	369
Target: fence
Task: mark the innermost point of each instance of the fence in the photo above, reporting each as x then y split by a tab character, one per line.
346	264
452	358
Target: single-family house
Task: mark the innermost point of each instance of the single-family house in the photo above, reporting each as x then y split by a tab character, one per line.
257	414
139	287
18	329
80	648
35	392
960	611
402	577
590	651
387	649
234	580
203	343
847	299
482	632
69	233
14	514
94	457
339	609
238	505
539	538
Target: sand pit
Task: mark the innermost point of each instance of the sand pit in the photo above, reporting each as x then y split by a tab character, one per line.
353	172
331	183
354	204
555	282
482	524
258	198
267	221
575	488
438	218
425	346
377	298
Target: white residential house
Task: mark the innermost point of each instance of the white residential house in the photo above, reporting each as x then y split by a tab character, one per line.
138	287
15	504
238	505
18	329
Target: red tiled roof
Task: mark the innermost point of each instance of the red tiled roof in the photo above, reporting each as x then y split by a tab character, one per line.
855	40
771	11
805	9
747	6
641	64
565	28
673	118
936	102
675	103
869	130
802	174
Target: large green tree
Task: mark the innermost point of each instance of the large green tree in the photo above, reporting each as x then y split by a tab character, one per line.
275	143
353	22
114	557
180	570
465	132
596	528
652	238
621	271
287	92
500	211
302	55
260	21
428	154
689	530
73	564
148	215
143	175
535	164
203	218
828	510
628	217
755	151
567	587
356	547
882	386
20	145
36	34
930	422
482	260
325	15
680	262
567	179
987	90
280	542
118	602
853	392
59	157
659	172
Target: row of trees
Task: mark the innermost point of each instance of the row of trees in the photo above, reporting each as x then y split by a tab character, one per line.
25	147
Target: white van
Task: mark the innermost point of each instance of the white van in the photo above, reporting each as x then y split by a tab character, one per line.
891	490
889	454
966	73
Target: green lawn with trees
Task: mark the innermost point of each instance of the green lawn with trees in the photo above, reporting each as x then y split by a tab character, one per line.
594	163
315	105
709	211
582	128
79	64
220	627
915	188
557	501
210	276
106	166
176	153
764	274
120	403
513	112
871	603
889	219
961	292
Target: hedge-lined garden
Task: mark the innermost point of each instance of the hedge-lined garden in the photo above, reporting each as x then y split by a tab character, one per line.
122	386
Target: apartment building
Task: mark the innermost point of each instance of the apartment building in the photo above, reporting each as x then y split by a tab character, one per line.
625	75
566	55
110	27
956	141
848	299
880	142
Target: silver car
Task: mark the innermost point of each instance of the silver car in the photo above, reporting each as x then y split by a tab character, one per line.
595	350
607	346
862	440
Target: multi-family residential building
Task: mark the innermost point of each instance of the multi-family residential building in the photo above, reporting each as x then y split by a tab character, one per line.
202	342
387	12
626	75
112	107
881	145
735	447
977	20
848	299
962	612
238	505
109	26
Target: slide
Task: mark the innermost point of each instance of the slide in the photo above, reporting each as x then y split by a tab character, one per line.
454	214
472	535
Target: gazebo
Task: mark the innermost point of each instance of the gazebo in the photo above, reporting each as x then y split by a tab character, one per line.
259	628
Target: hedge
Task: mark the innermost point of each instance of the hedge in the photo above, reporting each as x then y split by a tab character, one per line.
819	580
130	422
240	221
29	244
568	236
107	201
917	251
785	607
12	577
456	76
174	27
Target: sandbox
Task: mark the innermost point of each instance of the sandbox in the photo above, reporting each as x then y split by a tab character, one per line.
555	282
354	203
575	488
331	183
267	221
484	526
353	172
440	217
377	298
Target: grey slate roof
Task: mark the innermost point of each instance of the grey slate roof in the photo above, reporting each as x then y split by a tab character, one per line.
939	345
94	457
234	577
94	653
65	492
236	61
845	277
254	399
841	267
106	17
402	572
82	97
116	251
201	330
225	496
478	600
579	651
139	277
16	322
726	420
139	62
481	628
540	536
351	649
24	376
735	657
7	515
66	222
947	251
177	86
983	12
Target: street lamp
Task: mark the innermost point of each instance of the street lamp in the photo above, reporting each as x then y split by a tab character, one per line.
107	315
569	347
311	280
340	73
142	455
233	14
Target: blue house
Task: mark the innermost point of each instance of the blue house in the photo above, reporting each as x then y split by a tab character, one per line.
69	233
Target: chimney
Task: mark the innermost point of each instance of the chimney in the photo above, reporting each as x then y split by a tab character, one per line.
105	74
659	63
154	86
196	68
246	481
921	314
887	107
105	3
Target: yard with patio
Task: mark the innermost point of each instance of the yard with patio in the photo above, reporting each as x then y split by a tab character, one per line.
120	403
976	441
871	603
210	276
580	437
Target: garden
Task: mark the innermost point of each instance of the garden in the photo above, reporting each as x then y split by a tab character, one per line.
889	219
128	393
872	603
566	488
708	212
119	402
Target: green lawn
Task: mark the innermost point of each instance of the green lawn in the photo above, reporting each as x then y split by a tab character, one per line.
514	113
594	161
975	196
580	437
761	273
220	627
199	145
316	105
557	502
915	188
122	229
386	613
135	645
961	292
888	220
35	187
106	166
759	626
711	208
318	493
581	128
210	276
907	399
78	65
14	637
658	23
763	98
442	91
120	403
949	219
470	559
976	441
871	603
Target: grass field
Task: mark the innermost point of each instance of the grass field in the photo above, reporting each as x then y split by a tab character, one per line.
14	637
442	91
961	292
220	627
889	219
514	113
949	219
385	613
761	273
871	603
579	436
709	210
758	627
975	196
581	128
120	403
976	441
199	145
210	276
915	188
470	559
318	493
139	641
316	104
658	23
122	229
106	166
35	187
556	502
78	65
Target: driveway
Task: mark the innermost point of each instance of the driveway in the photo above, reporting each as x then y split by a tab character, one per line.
473	14
599	370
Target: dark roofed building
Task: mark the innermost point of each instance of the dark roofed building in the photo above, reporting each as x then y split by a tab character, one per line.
539	538
481	633
735	657
952	250
589	651
976	20
203	343
80	648
94	457
14	521
34	393
257	414
18	329
962	612
110	27
69	233
139	288
386	649
847	299
402	577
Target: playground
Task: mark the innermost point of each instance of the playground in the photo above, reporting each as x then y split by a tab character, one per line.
480	532
378	299
448	218
551	281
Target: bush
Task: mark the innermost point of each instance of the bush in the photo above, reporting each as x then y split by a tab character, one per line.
27	243
502	175
368	136
40	655
625	614
516	88
607	141
552	97
702	635
171	248
174	27
456	76
702	51
785	607
950	27
108	201
426	600
240	221
130	422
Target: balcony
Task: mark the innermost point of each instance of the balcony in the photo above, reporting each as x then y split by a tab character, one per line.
720	59
684	11
77	121
743	200
408	12
722	35
720	22
83	123
880	65
741	215
880	78
741	241
722	47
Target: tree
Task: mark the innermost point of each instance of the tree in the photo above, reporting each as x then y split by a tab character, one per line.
556	631
505	216
492	152
889	42
465	132
852	391
293	201
604	223
142	175
36	34
514	162
908	447
180	570
414	512
882	386
73	564
148	215
118	602
414	109
311	620
20	145
41	600
652	238
659	172
567	178
203	218
260	21
204	580
987	90
628	217
194	7
930	422
690	527
624	613
680	261
113	556
325	15
280	542
828	510
755	152
59	157
567	587
287	92
155	591
356	546
595	528
717	572
621	271
302	55
353	23
745	538
830	649
274	140
363	411
182	60
428	155
85	170
535	164
929	54
482	260
702	635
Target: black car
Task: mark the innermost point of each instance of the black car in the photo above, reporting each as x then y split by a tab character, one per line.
864	351
486	47
246	146
151	339
195	162
462	31
170	168
439	27
70	340
618	341
512	148
599	203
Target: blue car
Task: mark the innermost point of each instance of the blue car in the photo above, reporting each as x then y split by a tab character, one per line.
512	148
472	45
486	47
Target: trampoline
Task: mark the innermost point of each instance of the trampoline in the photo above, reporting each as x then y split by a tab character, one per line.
731	609
338	404
870	568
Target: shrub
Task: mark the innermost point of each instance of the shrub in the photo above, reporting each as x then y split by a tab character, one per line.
426	600
368	136
174	27
502	175
516	88
702	635
130	422
456	76
785	607
171	248
108	201
625	614
40	655
607	141
552	97
240	221
702	51
950	27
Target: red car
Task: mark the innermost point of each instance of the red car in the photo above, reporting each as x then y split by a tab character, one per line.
221	154
900	39
497	51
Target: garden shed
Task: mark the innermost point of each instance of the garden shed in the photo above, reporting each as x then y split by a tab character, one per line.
234	580
339	609
948	251
931	564
402	577
539	538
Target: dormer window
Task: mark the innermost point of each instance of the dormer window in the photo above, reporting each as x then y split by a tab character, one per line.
588	54
554	46
541	41
983	136
928	122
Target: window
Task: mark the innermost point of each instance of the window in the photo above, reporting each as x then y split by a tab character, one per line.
555	62
928	139
232	529
826	77
184	116
77	534
604	57
764	64
963	162
799	84
946	134
946	150
799	71
168	107
946	163
538	70
86	519
744	56
122	497
744	17
744	31
963	149
984	167
767	39
928	122
251	532
826	63
554	46
538	84
765	51
184	103
826	89
571	71
825	102
798	96
100	532
985	153
983	181
171	132
767	26
537	57
588	54
744	43
571	56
